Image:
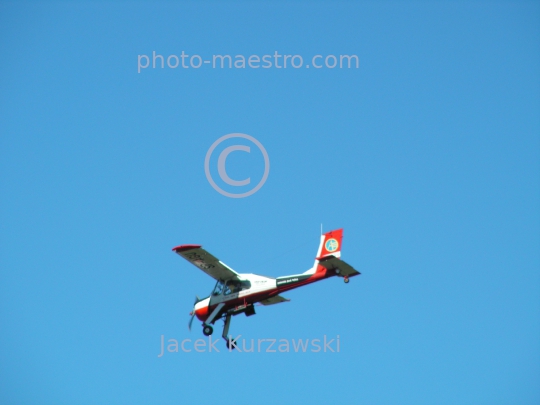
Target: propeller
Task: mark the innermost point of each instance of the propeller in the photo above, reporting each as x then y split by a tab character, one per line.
192	313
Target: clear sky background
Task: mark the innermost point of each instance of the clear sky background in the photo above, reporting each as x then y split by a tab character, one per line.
428	155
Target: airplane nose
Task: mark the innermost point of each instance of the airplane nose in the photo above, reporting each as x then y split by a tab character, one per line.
202	313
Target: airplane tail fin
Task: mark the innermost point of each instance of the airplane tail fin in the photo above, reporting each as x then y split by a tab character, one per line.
330	246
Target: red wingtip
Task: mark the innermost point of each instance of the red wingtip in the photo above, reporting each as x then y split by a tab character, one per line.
181	248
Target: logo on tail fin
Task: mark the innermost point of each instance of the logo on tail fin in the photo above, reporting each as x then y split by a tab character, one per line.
331	245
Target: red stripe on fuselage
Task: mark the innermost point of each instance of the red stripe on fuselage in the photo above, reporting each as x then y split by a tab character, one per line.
236	302
321	274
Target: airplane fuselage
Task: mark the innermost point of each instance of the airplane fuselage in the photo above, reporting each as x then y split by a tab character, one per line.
262	288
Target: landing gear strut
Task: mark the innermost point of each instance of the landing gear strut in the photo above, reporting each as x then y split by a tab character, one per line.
207	328
225	333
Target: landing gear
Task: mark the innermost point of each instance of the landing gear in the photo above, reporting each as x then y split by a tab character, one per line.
226	327
345	279
231	344
207	330
225	333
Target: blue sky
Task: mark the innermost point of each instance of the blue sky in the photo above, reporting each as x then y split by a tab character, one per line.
428	155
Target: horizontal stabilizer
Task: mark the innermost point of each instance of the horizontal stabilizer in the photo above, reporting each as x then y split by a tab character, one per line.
333	263
274	300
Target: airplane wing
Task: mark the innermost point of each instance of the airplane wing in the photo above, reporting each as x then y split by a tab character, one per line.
332	263
274	300
206	262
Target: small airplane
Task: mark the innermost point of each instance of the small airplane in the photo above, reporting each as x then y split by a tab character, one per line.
236	293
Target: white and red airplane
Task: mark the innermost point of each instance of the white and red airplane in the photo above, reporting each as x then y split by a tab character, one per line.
236	293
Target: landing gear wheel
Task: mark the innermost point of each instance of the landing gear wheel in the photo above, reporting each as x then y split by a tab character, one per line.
207	330
345	280
230	345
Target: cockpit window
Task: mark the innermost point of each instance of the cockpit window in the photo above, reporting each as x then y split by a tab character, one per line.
234	286
218	289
